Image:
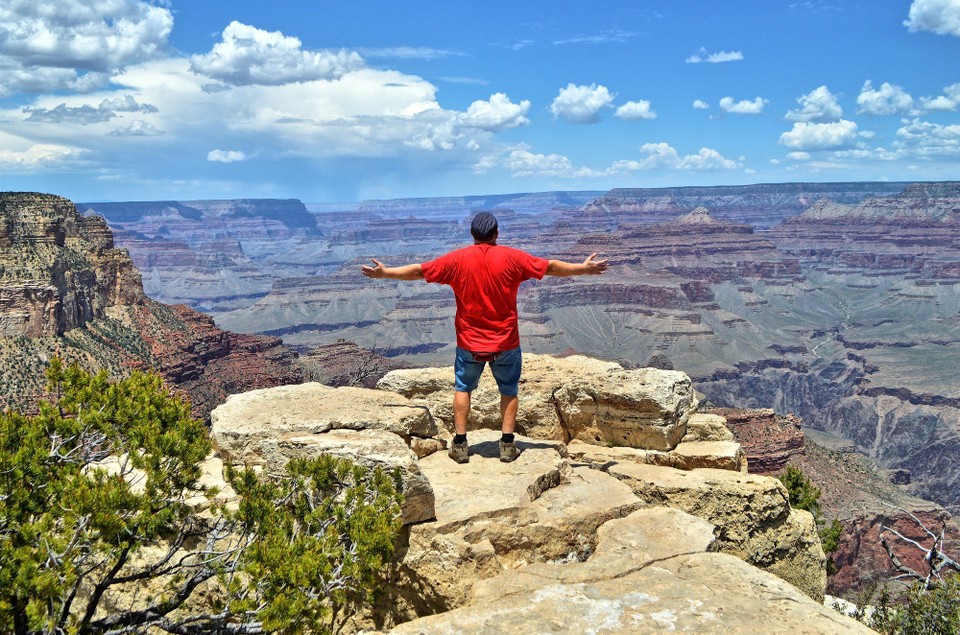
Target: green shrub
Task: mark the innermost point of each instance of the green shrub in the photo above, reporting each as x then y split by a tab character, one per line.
97	496
922	612
804	494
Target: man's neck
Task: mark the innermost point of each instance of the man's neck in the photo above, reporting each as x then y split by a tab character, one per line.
485	242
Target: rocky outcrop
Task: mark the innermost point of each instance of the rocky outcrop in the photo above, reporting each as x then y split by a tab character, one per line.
66	291
769	440
652	571
485	525
569	398
58	270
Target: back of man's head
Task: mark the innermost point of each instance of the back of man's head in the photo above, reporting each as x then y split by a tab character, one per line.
483	228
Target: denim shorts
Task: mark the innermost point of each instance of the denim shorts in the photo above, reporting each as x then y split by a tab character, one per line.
506	370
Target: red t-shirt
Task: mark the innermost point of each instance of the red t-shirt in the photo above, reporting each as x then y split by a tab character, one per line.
485	279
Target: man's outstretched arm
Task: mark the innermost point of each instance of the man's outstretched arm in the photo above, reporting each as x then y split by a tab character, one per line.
588	267
379	270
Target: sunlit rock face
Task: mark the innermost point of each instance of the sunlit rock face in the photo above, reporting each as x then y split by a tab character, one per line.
58	270
591	511
66	291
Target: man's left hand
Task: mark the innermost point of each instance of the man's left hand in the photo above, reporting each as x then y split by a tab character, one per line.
377	271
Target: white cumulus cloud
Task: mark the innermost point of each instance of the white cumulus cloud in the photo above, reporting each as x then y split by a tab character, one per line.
498	113
524	163
743	107
943	103
939	16
707	160
817	105
714	58
928	140
699	104
636	110
250	56
889	99
226	156
799	156
36	156
819	136
53	45
581	104
664	156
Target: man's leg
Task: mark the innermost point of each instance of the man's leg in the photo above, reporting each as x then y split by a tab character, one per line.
506	370
466	376
461	411
508	412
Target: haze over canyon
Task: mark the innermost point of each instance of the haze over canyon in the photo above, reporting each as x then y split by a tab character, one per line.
836	301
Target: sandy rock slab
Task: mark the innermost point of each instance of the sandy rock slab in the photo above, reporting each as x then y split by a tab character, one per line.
240	424
688	455
493	516
652	572
569	398
751	513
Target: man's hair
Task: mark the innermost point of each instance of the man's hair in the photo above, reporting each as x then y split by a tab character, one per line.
484	227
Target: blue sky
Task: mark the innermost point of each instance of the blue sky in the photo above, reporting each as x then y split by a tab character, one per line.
136	100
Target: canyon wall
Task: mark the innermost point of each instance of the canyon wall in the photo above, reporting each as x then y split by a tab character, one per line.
66	291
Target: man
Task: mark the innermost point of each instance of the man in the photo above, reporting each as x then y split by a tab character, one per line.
485	278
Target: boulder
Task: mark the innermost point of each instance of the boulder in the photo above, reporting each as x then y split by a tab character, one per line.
492	516
751	513
370	448
651	572
268	427
707	427
245	419
568	398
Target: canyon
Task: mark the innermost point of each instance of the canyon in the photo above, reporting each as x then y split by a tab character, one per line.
842	313
836	302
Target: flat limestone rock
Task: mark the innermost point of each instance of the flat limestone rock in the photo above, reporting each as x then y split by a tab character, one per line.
245	419
370	448
568	398
688	455
651	573
751	513
493	516
485	487
718	455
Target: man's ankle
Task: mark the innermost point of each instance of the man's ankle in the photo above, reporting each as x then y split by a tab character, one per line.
507	438
459	439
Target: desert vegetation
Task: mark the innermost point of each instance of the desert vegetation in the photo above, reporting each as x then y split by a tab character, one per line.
105	526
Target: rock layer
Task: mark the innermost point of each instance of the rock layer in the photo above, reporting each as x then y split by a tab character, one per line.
652	571
66	291
569	398
547	524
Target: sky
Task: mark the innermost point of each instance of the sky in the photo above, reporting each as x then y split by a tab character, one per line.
106	100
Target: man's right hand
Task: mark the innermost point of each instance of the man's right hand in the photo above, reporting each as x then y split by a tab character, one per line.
594	267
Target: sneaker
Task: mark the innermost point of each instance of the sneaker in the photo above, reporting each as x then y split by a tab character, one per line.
508	452
459	452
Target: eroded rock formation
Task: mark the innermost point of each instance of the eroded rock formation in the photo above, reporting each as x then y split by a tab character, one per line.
66	291
572	521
